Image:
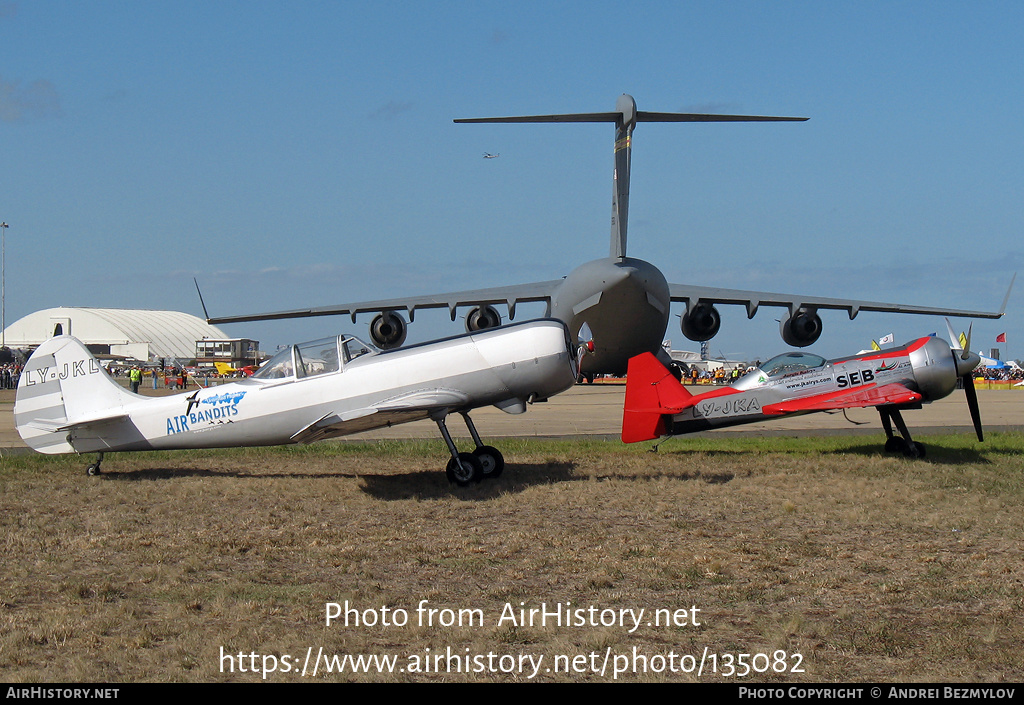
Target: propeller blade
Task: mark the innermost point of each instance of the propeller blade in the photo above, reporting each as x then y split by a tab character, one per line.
967	344
972	403
954	343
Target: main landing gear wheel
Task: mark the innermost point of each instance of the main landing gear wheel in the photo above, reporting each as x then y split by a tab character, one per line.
895	444
914	450
902	443
909	449
491	460
465	470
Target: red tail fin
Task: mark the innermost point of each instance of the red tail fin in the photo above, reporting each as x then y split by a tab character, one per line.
652	393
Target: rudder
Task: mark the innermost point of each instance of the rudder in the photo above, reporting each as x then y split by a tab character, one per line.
652	394
63	384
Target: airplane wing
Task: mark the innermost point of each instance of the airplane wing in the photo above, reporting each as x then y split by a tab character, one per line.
412	406
753	300
885	395
510	295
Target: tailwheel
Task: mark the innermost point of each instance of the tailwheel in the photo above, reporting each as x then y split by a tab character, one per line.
491	461
94	469
464	469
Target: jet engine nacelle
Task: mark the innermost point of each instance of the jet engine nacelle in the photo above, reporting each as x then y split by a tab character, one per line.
482	318
802	328
388	330
701	322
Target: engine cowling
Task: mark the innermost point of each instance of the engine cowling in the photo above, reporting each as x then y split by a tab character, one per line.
388	330
701	322
802	328
482	318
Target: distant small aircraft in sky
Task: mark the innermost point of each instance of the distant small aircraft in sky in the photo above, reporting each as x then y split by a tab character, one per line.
488	155
792	383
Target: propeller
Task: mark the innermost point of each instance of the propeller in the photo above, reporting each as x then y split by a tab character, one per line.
965	362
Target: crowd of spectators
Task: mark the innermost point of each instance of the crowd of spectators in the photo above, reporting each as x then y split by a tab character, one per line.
9	375
992	374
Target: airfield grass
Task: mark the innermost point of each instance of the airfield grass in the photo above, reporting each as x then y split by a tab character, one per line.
869	567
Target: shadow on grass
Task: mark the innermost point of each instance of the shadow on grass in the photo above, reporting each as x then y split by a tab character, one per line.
434	485
419	484
516	478
936	455
170	473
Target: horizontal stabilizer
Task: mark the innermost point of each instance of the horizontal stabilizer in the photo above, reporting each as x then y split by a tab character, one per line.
638	115
94	421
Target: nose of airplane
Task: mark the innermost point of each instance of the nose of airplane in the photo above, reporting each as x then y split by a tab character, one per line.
965	362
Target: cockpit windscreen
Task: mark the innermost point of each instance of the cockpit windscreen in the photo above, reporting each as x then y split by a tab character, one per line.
791	362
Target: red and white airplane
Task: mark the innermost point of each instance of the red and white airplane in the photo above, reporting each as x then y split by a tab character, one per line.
800	383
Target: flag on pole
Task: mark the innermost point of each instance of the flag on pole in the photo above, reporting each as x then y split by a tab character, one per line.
1001	338
891	338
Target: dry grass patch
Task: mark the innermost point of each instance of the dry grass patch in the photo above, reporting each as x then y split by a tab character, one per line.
871	567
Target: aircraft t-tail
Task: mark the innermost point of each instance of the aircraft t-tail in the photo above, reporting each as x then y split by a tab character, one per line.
799	383
623	303
66	403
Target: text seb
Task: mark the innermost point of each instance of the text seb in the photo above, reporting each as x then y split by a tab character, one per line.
852	379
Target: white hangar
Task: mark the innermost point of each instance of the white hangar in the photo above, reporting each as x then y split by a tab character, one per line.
140	334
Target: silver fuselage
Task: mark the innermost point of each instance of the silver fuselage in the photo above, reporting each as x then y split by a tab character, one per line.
66	403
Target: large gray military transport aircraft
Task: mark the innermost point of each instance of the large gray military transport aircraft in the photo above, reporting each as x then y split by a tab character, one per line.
623	304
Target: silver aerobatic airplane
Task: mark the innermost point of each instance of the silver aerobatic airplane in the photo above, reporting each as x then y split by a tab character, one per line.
66	403
793	383
622	302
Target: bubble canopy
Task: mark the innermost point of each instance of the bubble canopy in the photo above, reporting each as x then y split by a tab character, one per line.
791	362
317	357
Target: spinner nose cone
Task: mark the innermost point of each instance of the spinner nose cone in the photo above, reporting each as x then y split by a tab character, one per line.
966	362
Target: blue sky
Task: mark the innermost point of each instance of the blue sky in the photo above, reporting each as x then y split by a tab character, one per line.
303	153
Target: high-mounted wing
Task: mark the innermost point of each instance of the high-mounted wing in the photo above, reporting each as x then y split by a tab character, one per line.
510	295
803	326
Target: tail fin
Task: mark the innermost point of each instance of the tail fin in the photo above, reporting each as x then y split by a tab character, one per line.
63	387
652	393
